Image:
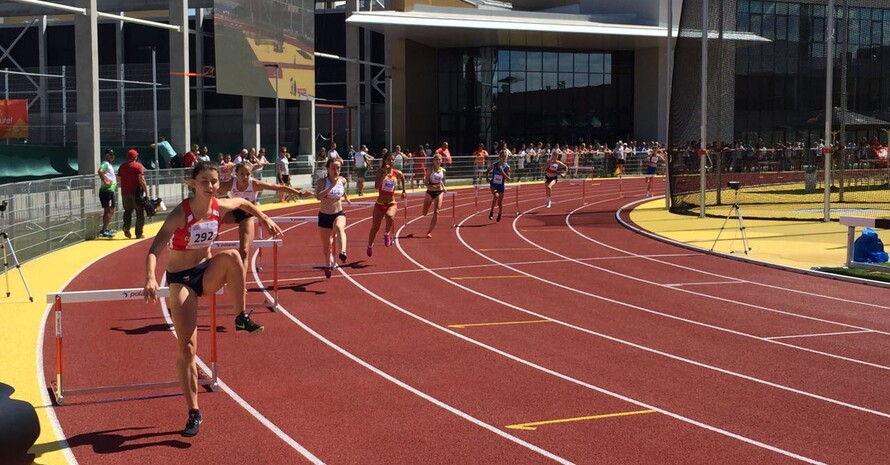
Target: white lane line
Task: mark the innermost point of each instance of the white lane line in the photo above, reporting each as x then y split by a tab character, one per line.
704	283
404	385
561	375
240	400
818	335
41	379
690	321
649	349
717	275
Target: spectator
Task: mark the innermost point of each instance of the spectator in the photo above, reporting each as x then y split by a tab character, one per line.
240	157
204	155
445	153
133	188
107	192
282	168
191	157
362	160
165	152
333	155
480	162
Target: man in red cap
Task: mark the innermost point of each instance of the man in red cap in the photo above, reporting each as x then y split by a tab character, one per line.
133	187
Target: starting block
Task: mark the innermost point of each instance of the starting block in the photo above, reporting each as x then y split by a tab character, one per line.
59	298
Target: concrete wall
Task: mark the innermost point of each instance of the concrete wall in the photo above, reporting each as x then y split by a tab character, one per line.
643	12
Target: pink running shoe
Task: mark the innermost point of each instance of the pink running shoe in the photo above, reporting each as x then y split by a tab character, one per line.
429	235
387	241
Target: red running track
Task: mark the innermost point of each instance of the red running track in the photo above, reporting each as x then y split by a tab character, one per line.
396	360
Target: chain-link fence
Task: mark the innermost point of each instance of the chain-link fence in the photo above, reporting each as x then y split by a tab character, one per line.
766	64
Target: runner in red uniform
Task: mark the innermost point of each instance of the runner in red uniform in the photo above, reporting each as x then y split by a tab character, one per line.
189	231
388	179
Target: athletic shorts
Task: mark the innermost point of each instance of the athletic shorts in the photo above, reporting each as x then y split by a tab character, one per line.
192	278
326	220
284	179
384	206
106	198
360	172
434	194
651	170
620	161
548	179
499	188
240	215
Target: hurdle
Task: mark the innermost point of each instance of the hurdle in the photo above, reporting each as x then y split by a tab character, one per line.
476	188
851	222
275	244
59	298
583	182
453	205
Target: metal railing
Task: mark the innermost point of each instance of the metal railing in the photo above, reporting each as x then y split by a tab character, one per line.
46	215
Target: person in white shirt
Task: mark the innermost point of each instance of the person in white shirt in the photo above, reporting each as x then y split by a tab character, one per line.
333	154
362	160
240	157
282	168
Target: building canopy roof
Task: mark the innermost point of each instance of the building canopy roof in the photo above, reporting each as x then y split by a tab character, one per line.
459	27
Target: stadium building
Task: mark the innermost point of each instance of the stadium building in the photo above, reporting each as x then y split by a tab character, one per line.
409	72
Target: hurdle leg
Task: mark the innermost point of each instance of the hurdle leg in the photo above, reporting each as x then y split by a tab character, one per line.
518	211
275	273
476	197
57	311
453	210
214	375
584	191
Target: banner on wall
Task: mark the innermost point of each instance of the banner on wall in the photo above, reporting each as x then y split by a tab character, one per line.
13	119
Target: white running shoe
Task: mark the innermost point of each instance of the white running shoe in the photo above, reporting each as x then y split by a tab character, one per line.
548	203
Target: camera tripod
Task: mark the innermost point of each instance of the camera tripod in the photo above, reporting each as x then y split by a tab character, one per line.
737	210
7	244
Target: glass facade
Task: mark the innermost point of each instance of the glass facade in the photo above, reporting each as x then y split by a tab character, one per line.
780	85
529	95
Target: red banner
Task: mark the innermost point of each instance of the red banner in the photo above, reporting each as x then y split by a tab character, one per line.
13	119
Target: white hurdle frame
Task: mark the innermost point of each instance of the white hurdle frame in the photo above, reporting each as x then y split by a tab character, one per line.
58	298
476	188
851	222
275	244
453	196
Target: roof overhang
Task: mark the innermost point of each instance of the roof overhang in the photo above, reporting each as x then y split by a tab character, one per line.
447	28
110	6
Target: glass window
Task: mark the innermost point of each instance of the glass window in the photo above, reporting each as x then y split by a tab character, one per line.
596	63
596	80
769	27
533	82
550	81
582	62
875	33
865	32
581	80
876	14
550	62
756	24
518	81
565	81
743	22
756	6
781	28
781	8
518	61
769	8
854	13
819	30
794	29
566	64
607	63
534	61
794	9
503	62
818	11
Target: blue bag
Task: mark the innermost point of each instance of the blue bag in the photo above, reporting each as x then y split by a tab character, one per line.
868	248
